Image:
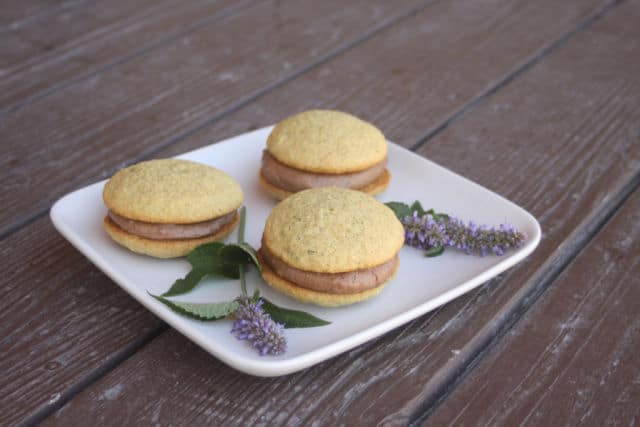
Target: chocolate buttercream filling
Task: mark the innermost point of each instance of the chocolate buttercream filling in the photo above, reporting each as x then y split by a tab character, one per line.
157	231
335	283
291	179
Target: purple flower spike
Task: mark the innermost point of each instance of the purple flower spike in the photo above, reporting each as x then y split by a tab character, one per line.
257	327
429	231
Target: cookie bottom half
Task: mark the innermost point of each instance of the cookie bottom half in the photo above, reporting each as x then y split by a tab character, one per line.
315	297
165	248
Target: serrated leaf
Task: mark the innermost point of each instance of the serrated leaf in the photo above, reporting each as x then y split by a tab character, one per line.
291	318
403	210
208	257
400	209
186	284
417	207
438	216
201	254
240	253
434	252
200	311
204	260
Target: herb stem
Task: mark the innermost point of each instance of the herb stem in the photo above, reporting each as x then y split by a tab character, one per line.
243	220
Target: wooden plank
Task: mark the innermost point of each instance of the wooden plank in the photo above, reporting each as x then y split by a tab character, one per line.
411	81
49	53
99	123
573	357
18	12
60	318
33	249
43	32
391	379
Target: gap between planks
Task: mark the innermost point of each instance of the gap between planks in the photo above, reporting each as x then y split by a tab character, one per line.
579	239
223	14
243	102
513	74
42	413
320	61
62	398
524	300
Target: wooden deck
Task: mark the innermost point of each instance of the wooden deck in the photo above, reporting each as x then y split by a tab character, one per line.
538	101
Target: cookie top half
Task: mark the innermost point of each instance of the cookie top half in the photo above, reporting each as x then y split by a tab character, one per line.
171	191
326	141
332	230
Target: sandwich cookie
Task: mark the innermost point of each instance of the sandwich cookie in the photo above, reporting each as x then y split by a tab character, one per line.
330	246
165	208
323	148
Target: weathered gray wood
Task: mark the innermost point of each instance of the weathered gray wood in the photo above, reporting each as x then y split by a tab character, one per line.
413	79
41	32
573	358
37	59
60	318
536	141
97	124
20	12
34	248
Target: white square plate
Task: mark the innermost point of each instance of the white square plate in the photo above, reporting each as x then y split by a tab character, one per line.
421	284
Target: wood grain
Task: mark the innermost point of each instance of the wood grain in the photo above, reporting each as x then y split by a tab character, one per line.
40	58
42	32
39	255
538	142
573	357
414	78
60	318
102	122
21	12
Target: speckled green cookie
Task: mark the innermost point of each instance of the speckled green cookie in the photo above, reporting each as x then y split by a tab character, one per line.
327	141
332	230
171	191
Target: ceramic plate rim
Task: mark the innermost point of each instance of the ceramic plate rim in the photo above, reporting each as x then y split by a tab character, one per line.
267	367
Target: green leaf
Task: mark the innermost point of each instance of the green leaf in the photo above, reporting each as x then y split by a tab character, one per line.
256	296
433	252
200	311
240	253
400	209
204	260
438	216
291	318
403	210
185	284
208	257
417	207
